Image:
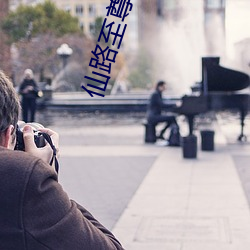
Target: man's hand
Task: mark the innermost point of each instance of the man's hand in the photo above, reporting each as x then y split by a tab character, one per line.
45	153
28	89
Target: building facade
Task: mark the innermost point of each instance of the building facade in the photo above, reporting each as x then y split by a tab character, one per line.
87	11
15	3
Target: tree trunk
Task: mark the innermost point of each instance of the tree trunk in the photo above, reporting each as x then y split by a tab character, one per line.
5	58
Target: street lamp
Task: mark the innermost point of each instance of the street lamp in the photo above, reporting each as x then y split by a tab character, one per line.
64	51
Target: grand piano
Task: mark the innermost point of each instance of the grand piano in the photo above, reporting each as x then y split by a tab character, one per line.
220	89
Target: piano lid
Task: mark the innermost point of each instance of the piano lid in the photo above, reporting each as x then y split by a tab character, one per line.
218	78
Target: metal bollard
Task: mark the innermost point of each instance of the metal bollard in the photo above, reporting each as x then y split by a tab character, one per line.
189	146
207	140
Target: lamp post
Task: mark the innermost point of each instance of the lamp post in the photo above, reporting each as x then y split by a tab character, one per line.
64	51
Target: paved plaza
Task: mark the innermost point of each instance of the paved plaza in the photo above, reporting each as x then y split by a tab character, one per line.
149	195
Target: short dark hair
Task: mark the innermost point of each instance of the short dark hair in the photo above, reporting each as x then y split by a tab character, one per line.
159	84
9	104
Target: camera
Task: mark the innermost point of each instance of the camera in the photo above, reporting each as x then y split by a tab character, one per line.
38	137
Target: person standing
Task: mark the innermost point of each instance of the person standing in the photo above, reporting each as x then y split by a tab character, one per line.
155	107
29	92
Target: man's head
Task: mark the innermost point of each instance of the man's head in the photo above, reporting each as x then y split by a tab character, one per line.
161	86
9	112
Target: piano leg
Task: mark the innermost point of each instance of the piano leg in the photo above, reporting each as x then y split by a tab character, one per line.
190	123
243	114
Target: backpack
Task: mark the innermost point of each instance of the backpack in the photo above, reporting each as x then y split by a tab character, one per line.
174	136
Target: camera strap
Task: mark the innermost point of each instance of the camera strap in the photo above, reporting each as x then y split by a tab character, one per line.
48	139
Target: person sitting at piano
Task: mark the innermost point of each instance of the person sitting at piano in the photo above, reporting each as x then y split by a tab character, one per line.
155	107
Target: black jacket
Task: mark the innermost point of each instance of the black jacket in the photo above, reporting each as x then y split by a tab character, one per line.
32	93
155	104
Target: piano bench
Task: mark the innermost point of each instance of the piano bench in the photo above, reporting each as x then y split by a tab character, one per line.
150	132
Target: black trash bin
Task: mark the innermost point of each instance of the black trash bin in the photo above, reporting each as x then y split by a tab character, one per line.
150	133
207	140
189	146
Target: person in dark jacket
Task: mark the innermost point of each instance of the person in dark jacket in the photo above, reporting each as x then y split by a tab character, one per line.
35	212
155	107
29	91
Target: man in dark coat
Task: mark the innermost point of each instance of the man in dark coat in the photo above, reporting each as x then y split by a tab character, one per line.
35	212
155	107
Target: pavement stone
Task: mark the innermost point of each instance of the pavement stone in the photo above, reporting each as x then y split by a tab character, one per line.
103	184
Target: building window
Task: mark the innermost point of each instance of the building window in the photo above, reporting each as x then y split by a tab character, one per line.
214	4
67	8
92	10
104	10
160	7
92	27
82	26
79	10
170	4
